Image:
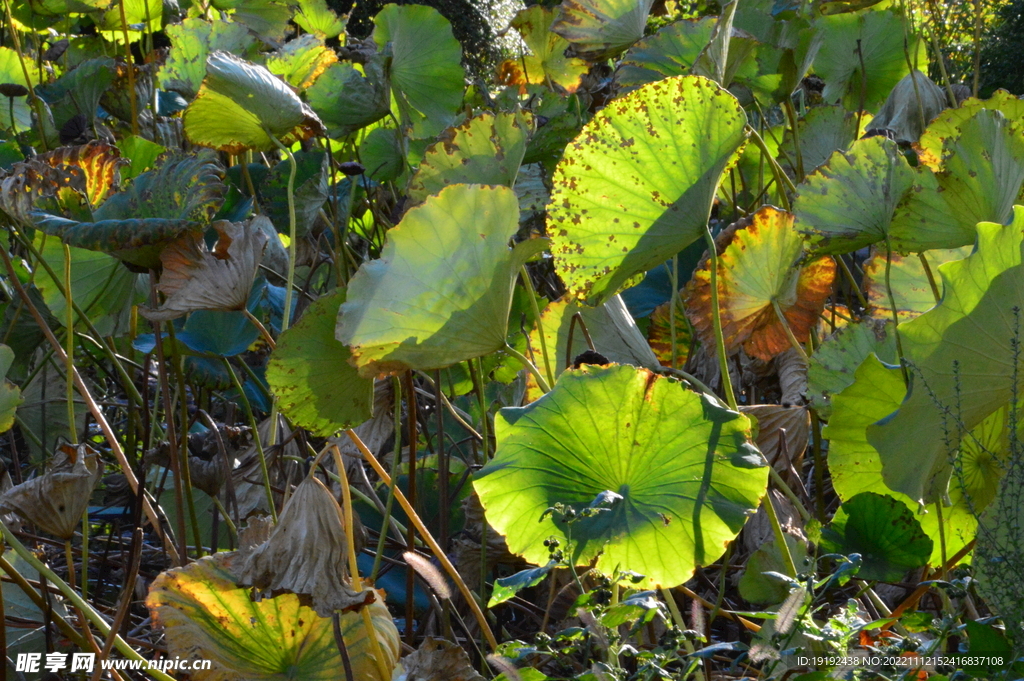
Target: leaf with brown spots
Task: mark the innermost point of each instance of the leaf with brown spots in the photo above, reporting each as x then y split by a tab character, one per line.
99	163
546	60
908	281
599	29
205	615
760	263
486	149
659	335
637	184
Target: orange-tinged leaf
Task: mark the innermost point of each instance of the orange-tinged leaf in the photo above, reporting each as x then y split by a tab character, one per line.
99	163
659	336
546	60
760	262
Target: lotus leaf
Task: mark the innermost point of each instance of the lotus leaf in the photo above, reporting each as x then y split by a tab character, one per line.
317	18
672	51
302	61
546	60
347	100
947	126
442	289
684	474
871	43
981	177
883	531
99	162
760	268
758	587
637	185
11	72
599	29
206	616
316	387
244	106
269	19
908	280
961	358
832	366
192	41
426	73
848	203
914	102
10	395
78	92
822	132
486	149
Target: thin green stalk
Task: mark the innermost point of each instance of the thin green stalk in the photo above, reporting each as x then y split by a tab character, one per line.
781	178
476	370
183	465
674	275
247	408
69	360
32	96
525	274
530	366
791	115
780	536
853	282
85	554
77	601
931	277
396	459
286	317
892	306
716	319
789	331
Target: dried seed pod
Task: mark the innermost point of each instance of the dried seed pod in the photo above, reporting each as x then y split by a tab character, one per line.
56	500
307	553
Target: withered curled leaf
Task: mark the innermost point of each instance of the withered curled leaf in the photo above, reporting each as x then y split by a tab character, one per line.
437	659
195	278
306	553
56	500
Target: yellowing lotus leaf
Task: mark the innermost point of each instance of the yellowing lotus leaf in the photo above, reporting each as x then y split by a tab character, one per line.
760	265
546	60
599	29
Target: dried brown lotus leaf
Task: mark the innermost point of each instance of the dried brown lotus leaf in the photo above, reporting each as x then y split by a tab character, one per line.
781	450
195	278
29	182
307	553
56	500
99	163
437	659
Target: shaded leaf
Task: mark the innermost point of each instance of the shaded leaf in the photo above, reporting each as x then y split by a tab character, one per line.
78	92
11	72
760	264
28	183
599	29
347	100
684	468
10	395
913	103
192	41
442	289
309	372
266	18
764	589
636	186
437	659
834	362
672	51
822	132
309	191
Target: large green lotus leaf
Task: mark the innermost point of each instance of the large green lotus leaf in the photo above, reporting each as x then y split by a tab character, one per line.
426	70
546	60
880	36
961	355
981	176
309	373
486	149
78	92
243	106
848	203
347	100
11	72
883	531
672	51
269	19
610	326
908	280
822	132
301	61
309	191
442	289
314	16
207	616
138	15
10	395
832	366
636	186
192	41
855	466
100	287
599	29
161	205
947	124
683	466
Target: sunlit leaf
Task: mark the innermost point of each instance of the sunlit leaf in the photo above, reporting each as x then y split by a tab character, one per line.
441	291
11	72
301	61
244	106
883	531
822	132
766	589
659	335
309	372
907	279
347	100
834	362
948	125
636	186
486	149
28	183
685	475
100	164
848	203
140	154
139	15
546	60
192	41
317	18
10	395
760	264
426	70
206	616
599	29
267	18
962	362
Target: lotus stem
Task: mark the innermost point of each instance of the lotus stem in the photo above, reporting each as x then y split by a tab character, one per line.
895	314
395	460
789	331
69	360
781	178
186	473
530	366
130	63
259	325
931	277
77	601
716	321
525	274
429	539
247	408
853	282
286	315
780	536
